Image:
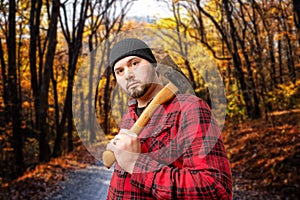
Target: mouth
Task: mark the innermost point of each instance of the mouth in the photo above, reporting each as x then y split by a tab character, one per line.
132	84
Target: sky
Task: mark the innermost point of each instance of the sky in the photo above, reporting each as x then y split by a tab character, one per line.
149	8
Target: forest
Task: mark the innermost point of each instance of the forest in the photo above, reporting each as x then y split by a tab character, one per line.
57	95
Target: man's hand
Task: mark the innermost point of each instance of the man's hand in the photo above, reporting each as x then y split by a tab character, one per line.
126	147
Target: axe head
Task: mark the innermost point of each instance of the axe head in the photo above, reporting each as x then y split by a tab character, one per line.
169	72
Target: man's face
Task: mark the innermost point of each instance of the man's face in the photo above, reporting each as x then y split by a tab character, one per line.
135	75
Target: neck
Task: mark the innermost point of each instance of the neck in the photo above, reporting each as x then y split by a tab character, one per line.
149	95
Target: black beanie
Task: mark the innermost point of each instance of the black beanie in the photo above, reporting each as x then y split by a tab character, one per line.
130	47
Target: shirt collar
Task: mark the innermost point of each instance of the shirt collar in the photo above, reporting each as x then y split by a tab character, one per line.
132	102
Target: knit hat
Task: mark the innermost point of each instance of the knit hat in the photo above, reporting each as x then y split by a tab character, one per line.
130	47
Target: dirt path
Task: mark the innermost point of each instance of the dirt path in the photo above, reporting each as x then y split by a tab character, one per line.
92	183
85	184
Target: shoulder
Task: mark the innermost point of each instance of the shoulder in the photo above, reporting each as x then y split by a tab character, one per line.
189	99
187	102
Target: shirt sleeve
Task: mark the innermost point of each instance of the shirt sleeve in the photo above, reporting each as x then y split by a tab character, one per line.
203	171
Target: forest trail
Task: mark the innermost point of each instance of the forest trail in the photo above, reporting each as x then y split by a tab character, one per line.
92	183
264	159
87	184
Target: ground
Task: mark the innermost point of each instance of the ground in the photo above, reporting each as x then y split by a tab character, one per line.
264	156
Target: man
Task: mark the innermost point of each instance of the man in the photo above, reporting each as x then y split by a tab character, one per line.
179	154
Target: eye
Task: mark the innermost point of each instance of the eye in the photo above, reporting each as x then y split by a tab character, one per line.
135	63
119	71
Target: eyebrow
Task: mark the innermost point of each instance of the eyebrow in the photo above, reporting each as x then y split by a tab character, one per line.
128	61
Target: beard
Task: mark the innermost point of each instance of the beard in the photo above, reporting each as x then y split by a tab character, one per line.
139	91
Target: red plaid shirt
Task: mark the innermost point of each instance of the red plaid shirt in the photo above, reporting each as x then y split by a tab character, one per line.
183	156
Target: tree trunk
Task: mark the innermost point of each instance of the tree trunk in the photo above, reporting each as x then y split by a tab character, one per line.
280	60
70	131
296	4
34	23
58	138
91	122
14	104
45	152
272	60
106	105
289	48
5	84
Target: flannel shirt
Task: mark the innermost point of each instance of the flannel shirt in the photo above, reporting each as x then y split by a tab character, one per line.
183	156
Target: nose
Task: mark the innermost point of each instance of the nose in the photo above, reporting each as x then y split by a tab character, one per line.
128	73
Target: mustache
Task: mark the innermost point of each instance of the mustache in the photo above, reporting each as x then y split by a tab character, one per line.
131	82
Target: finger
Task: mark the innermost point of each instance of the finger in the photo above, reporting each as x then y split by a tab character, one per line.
111	147
128	132
115	140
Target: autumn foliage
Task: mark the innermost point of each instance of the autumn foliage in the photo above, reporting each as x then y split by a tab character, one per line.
255	46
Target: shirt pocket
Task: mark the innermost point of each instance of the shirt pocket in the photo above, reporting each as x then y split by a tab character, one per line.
159	125
157	144
158	134
161	130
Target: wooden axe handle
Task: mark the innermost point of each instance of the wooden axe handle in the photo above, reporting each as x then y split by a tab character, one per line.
164	95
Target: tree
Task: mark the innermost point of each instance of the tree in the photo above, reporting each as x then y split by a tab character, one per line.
250	33
45	152
73	36
32	60
101	19
227	29
41	75
14	104
296	5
